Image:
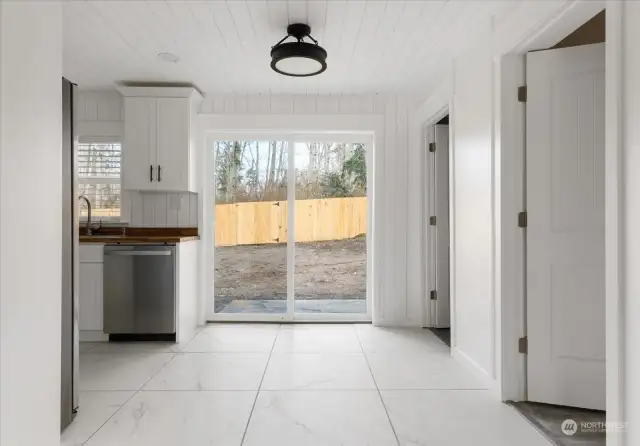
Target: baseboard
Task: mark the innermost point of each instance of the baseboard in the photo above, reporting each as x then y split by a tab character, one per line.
93	336
387	323
484	378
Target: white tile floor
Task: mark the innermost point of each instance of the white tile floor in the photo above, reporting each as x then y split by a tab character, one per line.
289	385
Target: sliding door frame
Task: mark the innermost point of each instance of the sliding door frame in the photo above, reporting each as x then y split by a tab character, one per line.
291	138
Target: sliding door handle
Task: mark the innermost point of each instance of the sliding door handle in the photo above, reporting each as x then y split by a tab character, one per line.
159	173
151	173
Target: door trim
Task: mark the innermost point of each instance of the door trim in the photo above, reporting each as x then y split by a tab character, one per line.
429	136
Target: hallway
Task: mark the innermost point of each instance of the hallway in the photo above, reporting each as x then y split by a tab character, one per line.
289	385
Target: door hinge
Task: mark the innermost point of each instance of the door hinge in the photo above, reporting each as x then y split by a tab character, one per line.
433	294
522	219
277	203
277	240
432	147
432	221
522	93
523	345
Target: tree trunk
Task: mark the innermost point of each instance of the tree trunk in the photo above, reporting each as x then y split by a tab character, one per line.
272	166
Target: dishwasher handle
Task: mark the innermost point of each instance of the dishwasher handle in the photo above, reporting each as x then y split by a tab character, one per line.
137	253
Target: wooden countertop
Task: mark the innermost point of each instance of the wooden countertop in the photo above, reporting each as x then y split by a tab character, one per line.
113	235
135	239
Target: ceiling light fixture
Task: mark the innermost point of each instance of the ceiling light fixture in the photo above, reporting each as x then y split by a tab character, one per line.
298	59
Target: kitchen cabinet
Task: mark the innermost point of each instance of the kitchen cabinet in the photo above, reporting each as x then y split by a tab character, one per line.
90	257
174	144
139	146
90	289
159	149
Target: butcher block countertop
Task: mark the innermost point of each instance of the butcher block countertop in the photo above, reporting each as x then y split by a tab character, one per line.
120	235
130	239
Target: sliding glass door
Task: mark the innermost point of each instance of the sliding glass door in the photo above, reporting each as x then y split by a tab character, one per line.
330	228
290	229
250	221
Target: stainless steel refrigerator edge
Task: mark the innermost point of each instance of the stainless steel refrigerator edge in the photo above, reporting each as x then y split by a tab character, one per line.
69	396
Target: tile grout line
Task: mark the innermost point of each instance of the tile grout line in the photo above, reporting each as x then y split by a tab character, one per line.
253	407
90	348
384	406
135	392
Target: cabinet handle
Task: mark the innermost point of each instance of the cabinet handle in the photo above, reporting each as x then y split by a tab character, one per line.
159	173
151	173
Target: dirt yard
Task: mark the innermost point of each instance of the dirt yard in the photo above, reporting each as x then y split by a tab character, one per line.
324	270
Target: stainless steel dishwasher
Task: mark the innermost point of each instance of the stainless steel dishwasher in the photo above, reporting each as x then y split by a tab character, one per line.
139	292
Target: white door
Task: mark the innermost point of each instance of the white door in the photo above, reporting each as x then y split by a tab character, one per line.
439	227
173	144
139	148
565	233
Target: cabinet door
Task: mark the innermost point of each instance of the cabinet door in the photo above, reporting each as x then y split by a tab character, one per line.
90	298
139	164
173	144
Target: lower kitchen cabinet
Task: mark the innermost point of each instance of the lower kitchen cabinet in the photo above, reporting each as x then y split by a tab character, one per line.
90	270
90	289
91	297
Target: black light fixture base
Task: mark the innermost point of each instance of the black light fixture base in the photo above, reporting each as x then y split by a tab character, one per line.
298	59
298	30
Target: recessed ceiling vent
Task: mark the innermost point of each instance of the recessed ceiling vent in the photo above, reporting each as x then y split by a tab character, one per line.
300	58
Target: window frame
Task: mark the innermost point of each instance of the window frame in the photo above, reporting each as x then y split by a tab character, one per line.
84	140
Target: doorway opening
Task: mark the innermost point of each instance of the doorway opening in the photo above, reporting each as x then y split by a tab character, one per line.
290	223
564	180
438	306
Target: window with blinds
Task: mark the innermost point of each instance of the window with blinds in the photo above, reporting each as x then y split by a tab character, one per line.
99	166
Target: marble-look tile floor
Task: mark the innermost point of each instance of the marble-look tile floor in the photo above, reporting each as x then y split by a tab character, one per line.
289	385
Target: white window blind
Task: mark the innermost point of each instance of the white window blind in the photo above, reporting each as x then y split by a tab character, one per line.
99	164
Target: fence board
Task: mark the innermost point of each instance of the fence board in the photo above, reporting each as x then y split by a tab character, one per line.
256	223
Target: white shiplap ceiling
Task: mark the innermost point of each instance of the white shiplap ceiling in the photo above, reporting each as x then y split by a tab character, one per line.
374	46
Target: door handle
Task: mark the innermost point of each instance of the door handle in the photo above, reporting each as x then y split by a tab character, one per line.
151	173
159	173
137	253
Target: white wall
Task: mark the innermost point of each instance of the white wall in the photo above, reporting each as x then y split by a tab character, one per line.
398	243
30	162
472	229
101	113
484	138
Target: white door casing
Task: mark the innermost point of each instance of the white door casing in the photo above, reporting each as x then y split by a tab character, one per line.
565	232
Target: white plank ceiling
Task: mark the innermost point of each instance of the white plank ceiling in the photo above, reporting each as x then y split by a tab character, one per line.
374	46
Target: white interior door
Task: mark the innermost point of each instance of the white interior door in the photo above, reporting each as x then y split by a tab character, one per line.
565	231
440	227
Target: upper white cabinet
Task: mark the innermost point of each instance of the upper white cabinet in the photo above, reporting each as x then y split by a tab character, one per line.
139	160
159	149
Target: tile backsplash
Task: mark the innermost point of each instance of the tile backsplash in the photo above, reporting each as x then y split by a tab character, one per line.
160	209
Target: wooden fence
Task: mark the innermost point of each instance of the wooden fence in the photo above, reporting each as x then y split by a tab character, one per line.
257	223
